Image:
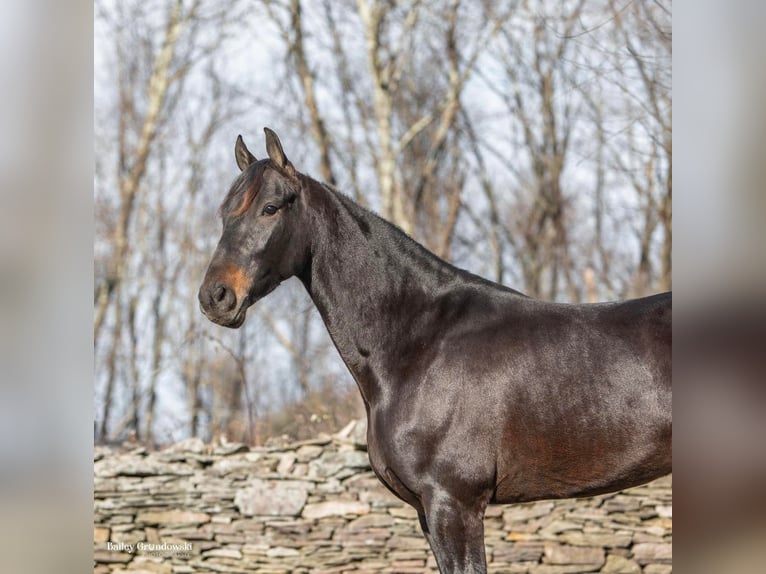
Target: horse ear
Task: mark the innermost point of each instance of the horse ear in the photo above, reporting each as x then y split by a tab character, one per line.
276	153
242	154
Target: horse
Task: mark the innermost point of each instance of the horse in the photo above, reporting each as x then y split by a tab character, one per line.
475	393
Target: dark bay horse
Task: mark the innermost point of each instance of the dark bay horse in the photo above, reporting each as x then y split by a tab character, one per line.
475	393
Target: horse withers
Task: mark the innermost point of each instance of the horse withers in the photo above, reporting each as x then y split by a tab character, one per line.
475	393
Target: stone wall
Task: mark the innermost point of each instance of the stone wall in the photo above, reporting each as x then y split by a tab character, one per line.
316	507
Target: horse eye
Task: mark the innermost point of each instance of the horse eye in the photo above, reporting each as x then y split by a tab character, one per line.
270	209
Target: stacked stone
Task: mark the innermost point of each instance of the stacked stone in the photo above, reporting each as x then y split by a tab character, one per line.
316	507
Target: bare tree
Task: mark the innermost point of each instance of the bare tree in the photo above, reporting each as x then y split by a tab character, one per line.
641	71
649	44
133	162
147	97
390	49
535	78
291	28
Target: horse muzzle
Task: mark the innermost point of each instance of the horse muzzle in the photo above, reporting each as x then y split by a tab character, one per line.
223	296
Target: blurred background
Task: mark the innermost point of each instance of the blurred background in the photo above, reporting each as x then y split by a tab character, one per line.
527	141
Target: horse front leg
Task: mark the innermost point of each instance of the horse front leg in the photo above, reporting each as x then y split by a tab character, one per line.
455	531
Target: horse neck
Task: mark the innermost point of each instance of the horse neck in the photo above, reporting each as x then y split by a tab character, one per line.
375	288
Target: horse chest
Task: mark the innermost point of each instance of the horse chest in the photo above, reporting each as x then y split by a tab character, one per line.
390	467
389	476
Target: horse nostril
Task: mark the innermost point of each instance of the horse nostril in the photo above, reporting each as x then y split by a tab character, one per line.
219	293
222	299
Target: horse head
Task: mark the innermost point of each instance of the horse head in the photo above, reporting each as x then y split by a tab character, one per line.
264	239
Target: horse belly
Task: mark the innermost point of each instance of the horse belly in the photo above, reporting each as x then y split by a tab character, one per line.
555	466
598	419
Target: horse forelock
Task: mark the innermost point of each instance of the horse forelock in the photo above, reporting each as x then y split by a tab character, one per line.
244	190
